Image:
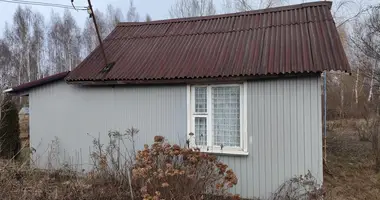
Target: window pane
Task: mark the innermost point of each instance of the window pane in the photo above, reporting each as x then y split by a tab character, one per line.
200	99
226	115
201	131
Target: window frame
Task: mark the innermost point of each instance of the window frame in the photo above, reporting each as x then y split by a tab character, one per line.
191	115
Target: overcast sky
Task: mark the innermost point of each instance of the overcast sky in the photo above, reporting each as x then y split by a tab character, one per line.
157	9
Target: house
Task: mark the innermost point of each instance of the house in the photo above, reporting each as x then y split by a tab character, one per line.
248	85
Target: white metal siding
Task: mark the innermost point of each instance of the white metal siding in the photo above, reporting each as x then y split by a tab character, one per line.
284	125
284	135
70	113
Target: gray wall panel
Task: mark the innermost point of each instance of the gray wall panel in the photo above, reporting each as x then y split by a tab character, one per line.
284	125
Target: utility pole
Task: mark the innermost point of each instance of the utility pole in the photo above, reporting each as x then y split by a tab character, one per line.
92	15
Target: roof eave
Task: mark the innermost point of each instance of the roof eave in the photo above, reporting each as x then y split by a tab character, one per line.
23	89
9	90
215	80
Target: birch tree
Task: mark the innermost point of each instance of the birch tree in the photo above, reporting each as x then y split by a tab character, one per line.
55	40
192	8
37	46
71	36
25	39
89	35
132	14
246	5
64	41
20	40
367	40
5	65
148	18
113	17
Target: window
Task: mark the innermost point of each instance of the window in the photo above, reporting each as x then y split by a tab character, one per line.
217	118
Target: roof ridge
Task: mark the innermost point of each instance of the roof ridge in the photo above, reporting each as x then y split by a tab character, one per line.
215	32
211	17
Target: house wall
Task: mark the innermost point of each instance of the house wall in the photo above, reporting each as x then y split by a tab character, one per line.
284	126
284	135
77	115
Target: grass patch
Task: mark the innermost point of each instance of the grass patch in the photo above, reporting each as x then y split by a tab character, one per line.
351	163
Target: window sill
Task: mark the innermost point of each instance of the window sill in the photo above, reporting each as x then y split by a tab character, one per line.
226	152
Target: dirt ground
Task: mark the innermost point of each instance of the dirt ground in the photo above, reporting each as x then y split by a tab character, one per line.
350	167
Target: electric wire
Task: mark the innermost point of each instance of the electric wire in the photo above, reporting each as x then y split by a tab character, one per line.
37	3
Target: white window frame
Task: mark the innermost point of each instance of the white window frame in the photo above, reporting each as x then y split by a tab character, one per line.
242	150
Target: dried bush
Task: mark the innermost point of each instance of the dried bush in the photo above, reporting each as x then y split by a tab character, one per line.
162	171
365	128
165	171
304	187
333	125
33	184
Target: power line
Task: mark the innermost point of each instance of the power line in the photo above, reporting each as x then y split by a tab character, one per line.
92	15
37	3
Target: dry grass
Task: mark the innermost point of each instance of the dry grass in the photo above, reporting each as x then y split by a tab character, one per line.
351	163
161	171
32	184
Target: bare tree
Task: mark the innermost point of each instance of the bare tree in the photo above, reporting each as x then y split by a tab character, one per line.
89	35
191	8
132	14
64	42
345	11
148	18
367	40
19	38
5	65
113	17
367	34
227	6
246	5
55	44
25	40
37	46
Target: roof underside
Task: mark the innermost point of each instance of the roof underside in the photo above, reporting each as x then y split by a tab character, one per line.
37	83
285	40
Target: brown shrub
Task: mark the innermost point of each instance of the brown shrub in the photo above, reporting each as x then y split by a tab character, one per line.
162	171
165	171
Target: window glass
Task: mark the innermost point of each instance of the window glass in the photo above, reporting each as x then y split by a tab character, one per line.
226	115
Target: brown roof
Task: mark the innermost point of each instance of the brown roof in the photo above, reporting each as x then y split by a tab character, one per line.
36	83
285	40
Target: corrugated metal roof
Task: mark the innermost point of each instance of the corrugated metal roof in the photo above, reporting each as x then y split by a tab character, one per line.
293	39
36	83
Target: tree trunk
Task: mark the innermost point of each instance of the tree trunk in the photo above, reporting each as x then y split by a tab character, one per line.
371	84
356	86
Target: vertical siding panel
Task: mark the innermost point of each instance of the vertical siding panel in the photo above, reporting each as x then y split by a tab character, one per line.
255	120
319	111
281	117
307	106
280	131
261	136
293	126
300	124
268	136
251	144
274	133
313	127
242	174
287	127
